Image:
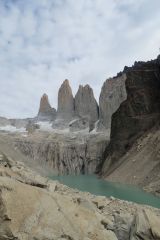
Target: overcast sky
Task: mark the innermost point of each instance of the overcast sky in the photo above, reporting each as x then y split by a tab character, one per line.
43	42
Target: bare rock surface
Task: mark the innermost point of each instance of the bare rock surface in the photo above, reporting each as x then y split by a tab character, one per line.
65	101
78	124
46	112
33	207
85	104
113	93
64	153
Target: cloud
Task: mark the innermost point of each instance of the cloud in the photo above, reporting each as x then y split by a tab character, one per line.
43	42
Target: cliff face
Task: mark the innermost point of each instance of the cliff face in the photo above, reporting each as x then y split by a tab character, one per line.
113	93
85	104
64	153
137	114
46	112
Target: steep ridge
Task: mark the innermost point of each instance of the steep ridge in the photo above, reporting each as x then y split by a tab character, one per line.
136	115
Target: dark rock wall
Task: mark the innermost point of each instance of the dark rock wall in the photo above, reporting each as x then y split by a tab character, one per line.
138	113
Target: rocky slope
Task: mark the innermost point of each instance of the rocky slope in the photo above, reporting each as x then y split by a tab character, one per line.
17	123
141	163
135	116
36	208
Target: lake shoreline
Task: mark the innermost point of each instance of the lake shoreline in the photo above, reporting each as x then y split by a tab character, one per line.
98	186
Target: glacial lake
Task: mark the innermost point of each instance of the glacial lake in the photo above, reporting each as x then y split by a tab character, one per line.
96	186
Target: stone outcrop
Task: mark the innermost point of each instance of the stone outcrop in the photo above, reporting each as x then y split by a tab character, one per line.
65	101
46	112
85	104
137	114
33	207
113	93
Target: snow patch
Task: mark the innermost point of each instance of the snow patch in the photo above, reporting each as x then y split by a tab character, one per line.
45	126
10	128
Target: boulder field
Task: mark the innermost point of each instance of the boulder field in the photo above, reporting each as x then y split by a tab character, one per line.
35	208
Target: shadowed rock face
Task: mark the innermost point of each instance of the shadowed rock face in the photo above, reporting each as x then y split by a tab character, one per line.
65	101
139	113
113	93
46	112
85	104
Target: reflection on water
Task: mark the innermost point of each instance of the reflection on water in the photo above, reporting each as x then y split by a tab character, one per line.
90	183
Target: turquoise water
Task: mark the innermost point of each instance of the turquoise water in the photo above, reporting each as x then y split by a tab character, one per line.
90	183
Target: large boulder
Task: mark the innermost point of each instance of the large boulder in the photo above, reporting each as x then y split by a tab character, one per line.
145	226
46	112
65	101
85	104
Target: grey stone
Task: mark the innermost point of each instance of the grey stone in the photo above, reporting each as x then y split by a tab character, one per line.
46	112
85	104
65	101
113	93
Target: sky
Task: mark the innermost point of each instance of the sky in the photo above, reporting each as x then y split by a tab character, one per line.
44	42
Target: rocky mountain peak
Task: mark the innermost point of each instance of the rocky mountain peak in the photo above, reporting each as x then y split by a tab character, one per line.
85	103
44	103
65	100
46	112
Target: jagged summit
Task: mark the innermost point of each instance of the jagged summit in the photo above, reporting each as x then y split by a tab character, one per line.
46	112
86	104
44	104
65	101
